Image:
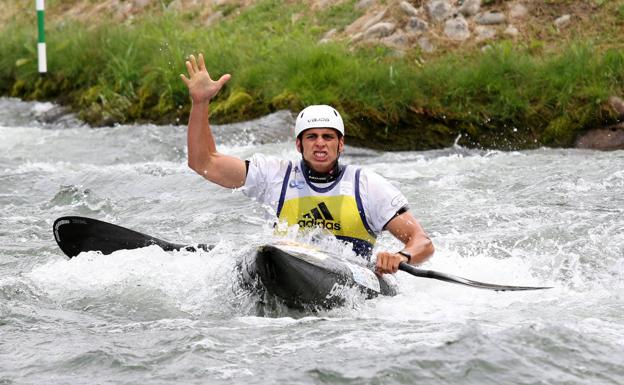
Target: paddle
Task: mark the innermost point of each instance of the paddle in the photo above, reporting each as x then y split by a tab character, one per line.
77	234
463	281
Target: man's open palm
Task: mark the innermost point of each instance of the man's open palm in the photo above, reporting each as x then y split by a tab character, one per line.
201	87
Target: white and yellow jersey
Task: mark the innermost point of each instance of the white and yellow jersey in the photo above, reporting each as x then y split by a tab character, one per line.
355	207
335	207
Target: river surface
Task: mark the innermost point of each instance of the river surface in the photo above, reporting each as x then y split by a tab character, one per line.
544	217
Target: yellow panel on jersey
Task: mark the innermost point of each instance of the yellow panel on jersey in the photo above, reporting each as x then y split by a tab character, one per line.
337	214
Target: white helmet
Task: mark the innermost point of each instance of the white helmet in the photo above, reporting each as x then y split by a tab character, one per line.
319	116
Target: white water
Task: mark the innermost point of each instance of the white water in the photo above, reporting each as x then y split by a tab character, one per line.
553	217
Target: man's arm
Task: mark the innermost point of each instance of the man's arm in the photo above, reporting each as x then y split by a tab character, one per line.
203	158
407	229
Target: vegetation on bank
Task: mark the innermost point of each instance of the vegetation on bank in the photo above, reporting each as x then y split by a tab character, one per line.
508	96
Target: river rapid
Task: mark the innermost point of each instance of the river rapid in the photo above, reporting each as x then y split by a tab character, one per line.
545	217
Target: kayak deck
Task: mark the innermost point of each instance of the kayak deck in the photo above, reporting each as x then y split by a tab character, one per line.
303	277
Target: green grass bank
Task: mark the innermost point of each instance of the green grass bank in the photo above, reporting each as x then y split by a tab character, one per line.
511	95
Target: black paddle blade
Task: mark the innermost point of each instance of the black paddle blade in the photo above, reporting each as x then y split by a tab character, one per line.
77	234
463	281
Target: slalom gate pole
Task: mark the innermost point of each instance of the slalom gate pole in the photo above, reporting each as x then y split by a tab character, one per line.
41	45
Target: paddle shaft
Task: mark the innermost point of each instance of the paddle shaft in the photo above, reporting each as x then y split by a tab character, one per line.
463	281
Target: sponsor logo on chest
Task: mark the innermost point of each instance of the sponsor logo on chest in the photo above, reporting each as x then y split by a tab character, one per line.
319	216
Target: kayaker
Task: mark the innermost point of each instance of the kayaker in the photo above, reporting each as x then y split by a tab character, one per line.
352	203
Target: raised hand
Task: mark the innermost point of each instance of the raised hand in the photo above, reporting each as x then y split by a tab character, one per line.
201	87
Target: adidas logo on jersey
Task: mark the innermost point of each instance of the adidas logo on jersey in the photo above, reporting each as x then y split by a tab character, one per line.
321	217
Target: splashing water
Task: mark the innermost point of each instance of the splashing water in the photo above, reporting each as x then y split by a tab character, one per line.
548	216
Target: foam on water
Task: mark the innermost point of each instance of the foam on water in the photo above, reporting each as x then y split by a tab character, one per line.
542	217
193	283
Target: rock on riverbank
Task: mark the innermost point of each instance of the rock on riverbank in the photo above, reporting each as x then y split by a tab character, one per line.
399	24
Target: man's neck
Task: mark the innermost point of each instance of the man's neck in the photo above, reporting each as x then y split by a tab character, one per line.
322	177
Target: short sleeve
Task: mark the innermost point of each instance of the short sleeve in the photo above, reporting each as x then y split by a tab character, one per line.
381	200
264	178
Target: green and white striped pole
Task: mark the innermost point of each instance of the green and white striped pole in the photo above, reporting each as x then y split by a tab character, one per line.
41	45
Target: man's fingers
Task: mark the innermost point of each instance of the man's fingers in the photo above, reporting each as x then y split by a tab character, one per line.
185	79
224	79
395	264
202	64
387	263
193	63
381	263
189	68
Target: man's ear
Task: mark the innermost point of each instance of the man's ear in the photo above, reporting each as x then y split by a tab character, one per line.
341	145
298	145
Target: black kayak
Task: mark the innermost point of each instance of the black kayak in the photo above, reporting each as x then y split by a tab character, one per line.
304	277
299	275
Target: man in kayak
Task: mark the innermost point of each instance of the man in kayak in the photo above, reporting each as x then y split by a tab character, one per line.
353	204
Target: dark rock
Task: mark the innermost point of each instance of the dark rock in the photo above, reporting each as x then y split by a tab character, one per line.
329	35
408	8
439	10
511	31
563	21
365	22
399	40
470	7
416	25
490	18
618	106
364	4
484	33
457	29
610	138
58	117
379	30
426	45
517	11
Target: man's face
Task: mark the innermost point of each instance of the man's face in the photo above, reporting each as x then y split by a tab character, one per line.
320	147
